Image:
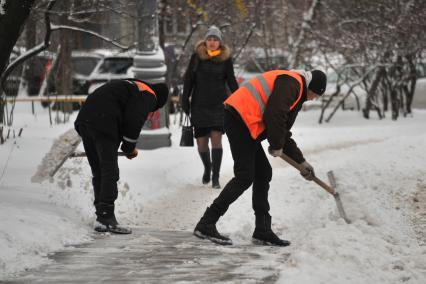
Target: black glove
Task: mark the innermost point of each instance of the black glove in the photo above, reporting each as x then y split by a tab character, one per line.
132	155
308	171
127	147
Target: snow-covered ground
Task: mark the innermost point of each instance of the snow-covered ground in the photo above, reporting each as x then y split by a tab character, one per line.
379	166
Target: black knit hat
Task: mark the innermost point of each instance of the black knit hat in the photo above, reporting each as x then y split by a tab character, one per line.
318	82
162	93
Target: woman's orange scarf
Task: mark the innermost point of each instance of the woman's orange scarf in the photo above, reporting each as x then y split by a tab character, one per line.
213	53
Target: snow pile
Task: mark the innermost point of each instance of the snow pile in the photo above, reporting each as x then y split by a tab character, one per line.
31	226
377	183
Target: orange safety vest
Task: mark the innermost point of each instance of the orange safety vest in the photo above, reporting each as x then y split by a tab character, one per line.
251	98
144	87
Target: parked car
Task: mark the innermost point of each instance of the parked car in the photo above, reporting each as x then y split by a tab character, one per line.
11	85
83	65
109	68
13	81
40	64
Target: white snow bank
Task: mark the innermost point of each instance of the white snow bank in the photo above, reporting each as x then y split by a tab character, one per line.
377	184
31	226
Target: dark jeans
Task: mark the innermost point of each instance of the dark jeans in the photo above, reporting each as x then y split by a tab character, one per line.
101	153
251	166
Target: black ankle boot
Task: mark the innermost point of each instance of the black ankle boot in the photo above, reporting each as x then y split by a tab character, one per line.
217	154
106	221
205	158
206	228
264	235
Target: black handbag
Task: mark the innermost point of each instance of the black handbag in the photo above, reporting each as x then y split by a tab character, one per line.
187	139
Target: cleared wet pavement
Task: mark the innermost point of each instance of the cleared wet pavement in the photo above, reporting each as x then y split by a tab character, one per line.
158	257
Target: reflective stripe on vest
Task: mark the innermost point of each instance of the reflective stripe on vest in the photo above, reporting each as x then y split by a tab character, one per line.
255	93
251	98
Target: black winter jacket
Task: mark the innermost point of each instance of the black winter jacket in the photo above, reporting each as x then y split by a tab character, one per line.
205	82
119	110
278	117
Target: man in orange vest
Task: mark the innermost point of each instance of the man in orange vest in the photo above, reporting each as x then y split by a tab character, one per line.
115	113
263	108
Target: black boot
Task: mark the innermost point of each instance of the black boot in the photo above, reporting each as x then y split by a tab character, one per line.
216	162
205	157
106	221
206	228
263	233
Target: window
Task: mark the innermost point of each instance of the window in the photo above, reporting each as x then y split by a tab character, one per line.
116	65
84	65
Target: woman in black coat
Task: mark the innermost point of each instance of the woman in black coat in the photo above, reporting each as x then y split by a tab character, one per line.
208	81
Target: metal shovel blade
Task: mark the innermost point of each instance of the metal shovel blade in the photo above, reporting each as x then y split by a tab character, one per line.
340	208
329	189
336	195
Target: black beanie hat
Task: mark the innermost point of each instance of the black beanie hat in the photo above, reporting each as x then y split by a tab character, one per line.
161	92
318	82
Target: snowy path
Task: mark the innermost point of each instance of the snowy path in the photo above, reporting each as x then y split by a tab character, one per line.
157	257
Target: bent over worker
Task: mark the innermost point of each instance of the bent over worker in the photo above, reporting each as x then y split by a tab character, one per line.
115	113
264	107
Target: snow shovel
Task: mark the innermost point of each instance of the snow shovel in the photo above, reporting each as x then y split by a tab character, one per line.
325	186
74	155
59	152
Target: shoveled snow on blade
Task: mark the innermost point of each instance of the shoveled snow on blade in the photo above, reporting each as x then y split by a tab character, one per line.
61	149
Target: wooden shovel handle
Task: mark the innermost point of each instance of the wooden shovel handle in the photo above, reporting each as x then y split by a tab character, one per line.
299	167
83	154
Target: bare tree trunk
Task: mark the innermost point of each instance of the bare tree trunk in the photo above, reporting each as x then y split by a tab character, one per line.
411	85
385	86
147	26
11	25
297	45
394	104
373	94
328	102
161	36
30	42
63	82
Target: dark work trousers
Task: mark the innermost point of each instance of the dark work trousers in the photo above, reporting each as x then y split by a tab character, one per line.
101	153
251	166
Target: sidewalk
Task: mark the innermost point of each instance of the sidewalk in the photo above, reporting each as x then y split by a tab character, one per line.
157	257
